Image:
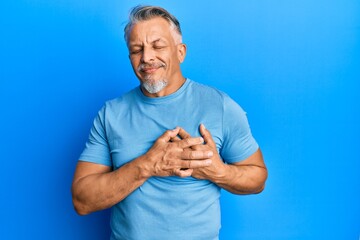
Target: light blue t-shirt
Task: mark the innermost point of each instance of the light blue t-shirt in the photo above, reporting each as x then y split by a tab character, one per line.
168	207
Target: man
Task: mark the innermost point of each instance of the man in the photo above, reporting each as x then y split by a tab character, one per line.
160	154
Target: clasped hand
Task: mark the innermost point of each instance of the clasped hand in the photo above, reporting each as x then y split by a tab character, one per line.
176	153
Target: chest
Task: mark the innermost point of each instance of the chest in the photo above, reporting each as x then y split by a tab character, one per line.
133	133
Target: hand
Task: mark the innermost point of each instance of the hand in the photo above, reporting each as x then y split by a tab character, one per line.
176	158
217	167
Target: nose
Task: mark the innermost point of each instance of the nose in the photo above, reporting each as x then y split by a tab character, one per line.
148	55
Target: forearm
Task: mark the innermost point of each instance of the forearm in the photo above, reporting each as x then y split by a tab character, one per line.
102	190
241	179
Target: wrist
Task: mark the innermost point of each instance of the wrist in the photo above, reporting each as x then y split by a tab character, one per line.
143	167
222	173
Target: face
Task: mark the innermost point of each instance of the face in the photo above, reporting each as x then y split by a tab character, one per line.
155	55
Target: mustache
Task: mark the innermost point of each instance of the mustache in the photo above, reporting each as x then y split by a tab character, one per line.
144	66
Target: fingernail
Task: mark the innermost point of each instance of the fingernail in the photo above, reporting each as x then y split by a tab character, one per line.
210	154
203	126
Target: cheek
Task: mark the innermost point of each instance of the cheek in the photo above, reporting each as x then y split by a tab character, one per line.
134	63
170	59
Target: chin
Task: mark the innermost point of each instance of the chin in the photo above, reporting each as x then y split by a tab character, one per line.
154	86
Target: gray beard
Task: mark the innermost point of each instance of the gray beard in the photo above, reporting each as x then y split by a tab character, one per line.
153	86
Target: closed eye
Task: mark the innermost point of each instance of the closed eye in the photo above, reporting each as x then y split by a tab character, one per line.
136	51
159	47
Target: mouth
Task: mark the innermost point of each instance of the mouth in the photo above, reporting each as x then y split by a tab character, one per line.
149	69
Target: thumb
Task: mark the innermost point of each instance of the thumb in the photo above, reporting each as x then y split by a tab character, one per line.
168	135
207	136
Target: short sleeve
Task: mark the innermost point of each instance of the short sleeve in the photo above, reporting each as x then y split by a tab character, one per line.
97	147
238	142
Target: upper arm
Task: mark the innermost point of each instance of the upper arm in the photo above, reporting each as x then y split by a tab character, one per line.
97	149
238	141
84	169
256	169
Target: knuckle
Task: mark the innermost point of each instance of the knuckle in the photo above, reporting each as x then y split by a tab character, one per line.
192	155
167	132
195	154
189	154
187	141
190	164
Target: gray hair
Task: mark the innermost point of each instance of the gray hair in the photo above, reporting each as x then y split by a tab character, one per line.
143	13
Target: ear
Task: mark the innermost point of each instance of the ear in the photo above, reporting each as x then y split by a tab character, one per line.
181	50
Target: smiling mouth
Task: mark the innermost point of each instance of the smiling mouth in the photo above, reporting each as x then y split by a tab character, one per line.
150	68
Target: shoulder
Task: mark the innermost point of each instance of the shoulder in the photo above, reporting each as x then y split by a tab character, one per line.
119	105
208	92
123	99
216	97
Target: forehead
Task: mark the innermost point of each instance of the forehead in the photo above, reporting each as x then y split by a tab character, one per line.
150	30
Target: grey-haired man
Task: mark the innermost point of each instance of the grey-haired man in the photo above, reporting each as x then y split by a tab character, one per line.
149	155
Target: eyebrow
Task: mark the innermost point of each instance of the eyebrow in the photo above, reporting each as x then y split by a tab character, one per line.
157	40
153	42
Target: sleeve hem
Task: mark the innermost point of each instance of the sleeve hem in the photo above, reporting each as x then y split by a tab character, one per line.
242	157
95	160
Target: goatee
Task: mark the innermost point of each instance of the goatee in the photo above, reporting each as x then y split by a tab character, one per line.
154	86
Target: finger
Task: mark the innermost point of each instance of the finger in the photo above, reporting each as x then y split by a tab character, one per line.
184	134
183	172
188	142
207	136
196	155
175	139
168	135
200	147
191	164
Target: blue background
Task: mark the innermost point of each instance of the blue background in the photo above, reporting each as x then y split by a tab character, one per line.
294	66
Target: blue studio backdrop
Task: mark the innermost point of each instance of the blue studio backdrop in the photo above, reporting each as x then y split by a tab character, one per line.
294	66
